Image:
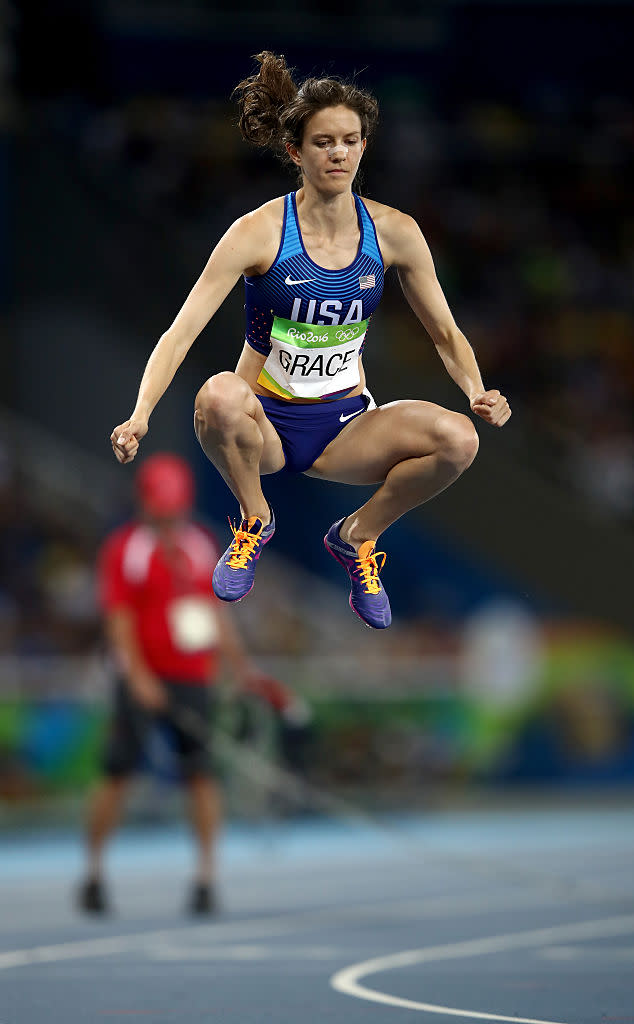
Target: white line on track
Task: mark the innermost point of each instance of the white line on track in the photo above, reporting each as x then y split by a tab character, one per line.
190	954
75	950
592	953
347	980
136	942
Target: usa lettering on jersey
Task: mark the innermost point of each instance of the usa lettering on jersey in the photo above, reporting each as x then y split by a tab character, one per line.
330	312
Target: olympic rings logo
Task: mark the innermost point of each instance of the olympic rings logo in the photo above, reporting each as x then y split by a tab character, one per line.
348	335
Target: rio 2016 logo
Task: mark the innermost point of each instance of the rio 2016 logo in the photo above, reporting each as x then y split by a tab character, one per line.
307	336
348	335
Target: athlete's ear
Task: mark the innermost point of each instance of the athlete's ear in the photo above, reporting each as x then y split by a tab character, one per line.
293	152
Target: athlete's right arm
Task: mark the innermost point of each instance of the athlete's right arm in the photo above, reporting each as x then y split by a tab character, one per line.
239	251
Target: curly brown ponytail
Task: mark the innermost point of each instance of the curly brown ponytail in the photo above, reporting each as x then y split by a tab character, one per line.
262	98
274	111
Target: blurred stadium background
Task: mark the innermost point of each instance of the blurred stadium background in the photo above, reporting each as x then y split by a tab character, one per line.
507	130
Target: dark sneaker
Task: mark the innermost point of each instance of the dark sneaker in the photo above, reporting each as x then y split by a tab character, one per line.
367	596
203	899
92	897
234	574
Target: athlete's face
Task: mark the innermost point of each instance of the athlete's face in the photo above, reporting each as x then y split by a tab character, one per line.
331	149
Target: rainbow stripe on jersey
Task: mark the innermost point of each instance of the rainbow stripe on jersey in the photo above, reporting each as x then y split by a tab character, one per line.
311	322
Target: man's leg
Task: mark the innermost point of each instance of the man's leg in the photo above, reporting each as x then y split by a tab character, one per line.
124	746
205	811
191	705
104	814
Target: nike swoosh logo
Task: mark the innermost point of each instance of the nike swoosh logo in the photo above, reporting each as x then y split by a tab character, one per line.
342	418
305	280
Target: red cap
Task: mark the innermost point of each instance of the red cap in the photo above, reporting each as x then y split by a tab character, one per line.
165	485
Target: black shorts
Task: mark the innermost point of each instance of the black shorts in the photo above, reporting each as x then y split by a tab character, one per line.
131	725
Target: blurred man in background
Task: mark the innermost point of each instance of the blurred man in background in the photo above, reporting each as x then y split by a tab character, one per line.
167	635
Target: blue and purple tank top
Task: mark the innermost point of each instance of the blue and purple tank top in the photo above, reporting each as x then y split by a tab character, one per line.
311	322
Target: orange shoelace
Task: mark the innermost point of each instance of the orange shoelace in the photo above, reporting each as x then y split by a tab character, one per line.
244	545
368	568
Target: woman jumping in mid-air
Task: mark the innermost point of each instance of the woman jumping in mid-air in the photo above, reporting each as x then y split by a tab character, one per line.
313	264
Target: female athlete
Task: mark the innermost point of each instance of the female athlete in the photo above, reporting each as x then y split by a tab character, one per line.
313	264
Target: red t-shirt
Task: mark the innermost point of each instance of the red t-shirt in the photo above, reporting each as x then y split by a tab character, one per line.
167	588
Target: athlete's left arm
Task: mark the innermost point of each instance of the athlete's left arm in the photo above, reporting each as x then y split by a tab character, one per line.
410	253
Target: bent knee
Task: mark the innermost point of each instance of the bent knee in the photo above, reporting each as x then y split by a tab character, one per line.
458	440
221	399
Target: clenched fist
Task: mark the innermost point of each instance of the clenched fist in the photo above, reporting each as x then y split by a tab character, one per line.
492	407
125	439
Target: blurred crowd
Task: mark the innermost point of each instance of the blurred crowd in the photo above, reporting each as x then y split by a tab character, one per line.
47	594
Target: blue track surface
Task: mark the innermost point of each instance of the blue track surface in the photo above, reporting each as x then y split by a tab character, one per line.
486	916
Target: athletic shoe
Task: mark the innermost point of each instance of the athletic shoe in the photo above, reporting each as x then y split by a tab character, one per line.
203	899
92	897
234	574
367	597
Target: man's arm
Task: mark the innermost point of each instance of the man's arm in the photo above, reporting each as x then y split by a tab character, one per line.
249	678
410	254
121	635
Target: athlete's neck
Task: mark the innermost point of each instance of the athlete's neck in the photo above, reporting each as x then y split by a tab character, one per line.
326	214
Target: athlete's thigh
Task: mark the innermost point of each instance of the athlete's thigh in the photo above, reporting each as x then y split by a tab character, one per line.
230	391
273	458
370	445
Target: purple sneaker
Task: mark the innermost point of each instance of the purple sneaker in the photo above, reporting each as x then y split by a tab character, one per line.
234	574
367	597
